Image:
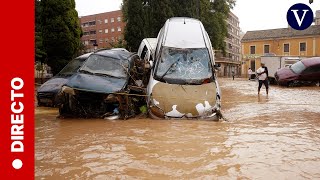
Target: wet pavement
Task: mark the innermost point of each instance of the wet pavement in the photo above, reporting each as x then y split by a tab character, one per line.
266	137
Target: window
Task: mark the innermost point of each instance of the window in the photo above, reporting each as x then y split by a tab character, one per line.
100	31
303	46
112	20
106	31
118	19
100	41
86	33
106	21
93	32
286	47
252	49
119	28
112	30
266	48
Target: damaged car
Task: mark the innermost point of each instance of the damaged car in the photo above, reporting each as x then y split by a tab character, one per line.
47	92
304	72
101	87
183	83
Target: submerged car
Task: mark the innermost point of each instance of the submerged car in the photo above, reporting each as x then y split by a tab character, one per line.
183	83
47	92
100	87
306	71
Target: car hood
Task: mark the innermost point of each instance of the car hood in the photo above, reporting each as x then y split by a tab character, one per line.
53	85
184	100
285	73
93	83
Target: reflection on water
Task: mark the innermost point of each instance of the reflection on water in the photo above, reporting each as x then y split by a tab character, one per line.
265	137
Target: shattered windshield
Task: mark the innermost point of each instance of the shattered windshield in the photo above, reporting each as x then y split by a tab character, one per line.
191	65
298	67
101	65
72	67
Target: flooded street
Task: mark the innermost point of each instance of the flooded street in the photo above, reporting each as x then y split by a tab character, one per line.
266	137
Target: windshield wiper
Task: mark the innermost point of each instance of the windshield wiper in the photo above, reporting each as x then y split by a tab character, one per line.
108	75
171	66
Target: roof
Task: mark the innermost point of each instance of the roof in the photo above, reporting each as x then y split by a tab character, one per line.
311	61
84	56
116	54
280	33
184	32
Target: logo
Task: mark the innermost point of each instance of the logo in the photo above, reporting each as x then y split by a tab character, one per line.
300	16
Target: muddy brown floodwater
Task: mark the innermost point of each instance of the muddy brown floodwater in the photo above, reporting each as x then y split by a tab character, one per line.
265	137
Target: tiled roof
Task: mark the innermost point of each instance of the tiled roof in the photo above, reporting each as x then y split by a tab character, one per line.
280	33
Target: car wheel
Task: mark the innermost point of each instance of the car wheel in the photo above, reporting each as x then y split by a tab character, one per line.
292	83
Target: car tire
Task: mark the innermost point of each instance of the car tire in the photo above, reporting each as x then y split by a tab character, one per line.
292	83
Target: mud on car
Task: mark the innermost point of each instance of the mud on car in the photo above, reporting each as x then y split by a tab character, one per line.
101	86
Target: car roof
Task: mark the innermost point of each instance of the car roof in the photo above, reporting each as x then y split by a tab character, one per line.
311	61
152	42
183	32
116	54
84	56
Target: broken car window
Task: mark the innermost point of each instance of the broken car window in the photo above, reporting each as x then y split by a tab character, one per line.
71	67
102	65
184	64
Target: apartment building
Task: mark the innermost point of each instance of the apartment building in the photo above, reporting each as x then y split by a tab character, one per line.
279	42
102	30
232	60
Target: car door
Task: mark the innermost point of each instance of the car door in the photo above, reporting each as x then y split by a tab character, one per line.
311	73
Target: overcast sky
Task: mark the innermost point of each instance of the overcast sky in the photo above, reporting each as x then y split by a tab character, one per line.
253	14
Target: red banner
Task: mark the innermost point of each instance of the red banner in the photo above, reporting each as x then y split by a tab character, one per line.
17	90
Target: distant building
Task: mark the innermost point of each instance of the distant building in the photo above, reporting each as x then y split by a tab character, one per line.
231	61
101	30
279	42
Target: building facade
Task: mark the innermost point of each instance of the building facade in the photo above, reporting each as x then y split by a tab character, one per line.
102	30
231	62
279	42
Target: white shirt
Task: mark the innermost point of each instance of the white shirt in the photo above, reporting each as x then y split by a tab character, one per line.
262	76
249	71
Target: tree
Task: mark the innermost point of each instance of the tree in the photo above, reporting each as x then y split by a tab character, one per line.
60	32
152	15
134	30
40	53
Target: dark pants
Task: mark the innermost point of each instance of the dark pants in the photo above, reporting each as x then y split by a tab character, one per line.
265	82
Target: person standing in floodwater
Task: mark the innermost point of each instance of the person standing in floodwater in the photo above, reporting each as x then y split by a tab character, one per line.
232	75
249	73
262	73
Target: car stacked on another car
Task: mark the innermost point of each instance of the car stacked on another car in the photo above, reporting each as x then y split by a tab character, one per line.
47	92
101	86
306	71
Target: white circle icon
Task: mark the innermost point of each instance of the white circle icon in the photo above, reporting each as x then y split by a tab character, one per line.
17	164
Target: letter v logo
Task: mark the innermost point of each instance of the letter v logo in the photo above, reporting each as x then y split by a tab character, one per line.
295	12
300	16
